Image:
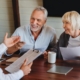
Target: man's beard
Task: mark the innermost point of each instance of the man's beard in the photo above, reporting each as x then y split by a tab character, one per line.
35	29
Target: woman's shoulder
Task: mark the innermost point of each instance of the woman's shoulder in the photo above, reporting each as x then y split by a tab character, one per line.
64	35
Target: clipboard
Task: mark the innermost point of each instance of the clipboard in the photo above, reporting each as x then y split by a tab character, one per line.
31	55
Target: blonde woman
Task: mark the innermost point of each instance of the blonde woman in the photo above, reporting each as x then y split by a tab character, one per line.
71	35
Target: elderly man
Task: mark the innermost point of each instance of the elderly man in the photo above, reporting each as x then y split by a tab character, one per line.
35	35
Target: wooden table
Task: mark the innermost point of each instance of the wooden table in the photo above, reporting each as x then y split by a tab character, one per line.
40	67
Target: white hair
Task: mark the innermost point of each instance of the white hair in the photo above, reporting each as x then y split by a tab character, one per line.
40	8
73	17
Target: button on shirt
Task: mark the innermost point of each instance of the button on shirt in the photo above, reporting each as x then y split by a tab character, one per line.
46	36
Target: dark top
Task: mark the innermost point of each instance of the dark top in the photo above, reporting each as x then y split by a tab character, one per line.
62	42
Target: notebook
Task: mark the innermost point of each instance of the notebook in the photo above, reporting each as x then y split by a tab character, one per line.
30	55
60	69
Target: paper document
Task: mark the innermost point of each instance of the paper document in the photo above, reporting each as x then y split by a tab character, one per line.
30	55
12	59
69	53
60	69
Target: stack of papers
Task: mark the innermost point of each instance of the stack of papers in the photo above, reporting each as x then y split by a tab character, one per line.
70	53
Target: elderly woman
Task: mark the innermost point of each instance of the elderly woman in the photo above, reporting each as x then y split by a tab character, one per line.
71	35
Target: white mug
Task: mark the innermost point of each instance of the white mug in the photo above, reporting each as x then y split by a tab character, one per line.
51	57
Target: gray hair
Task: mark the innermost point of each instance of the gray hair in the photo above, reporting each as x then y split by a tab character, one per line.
40	8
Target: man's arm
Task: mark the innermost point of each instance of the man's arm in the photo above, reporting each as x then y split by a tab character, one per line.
8	42
53	45
15	48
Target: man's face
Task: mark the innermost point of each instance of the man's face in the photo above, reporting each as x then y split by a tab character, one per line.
37	20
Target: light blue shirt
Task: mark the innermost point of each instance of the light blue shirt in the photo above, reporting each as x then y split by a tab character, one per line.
42	42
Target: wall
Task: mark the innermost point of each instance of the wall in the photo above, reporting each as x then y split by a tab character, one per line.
26	7
6	18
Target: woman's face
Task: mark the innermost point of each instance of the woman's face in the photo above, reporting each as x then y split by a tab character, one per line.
68	28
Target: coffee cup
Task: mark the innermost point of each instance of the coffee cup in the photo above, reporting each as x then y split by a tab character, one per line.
51	57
